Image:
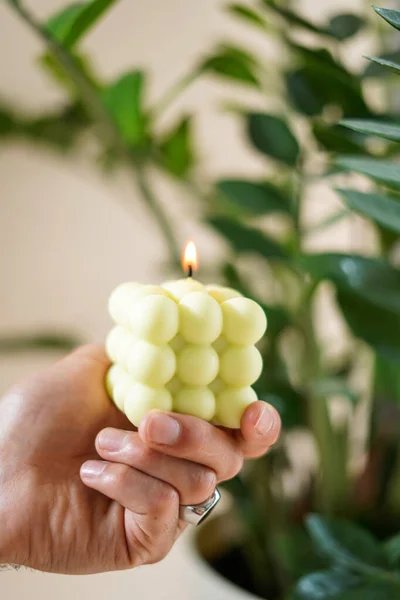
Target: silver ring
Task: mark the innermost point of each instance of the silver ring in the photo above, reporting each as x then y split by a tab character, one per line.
196	513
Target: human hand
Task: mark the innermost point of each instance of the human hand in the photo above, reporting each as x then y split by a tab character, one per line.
63	510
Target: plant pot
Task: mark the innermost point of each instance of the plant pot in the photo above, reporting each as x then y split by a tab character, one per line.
207	546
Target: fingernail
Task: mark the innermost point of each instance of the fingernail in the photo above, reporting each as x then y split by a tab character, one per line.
111	440
163	429
266	420
92	469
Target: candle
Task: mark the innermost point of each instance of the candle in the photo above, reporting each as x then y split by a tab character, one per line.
184	346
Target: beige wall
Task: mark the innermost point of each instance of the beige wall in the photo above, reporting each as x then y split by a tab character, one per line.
68	235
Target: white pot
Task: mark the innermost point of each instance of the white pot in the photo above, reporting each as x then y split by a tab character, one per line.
206	542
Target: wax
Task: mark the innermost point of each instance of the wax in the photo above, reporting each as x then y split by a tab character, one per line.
185	347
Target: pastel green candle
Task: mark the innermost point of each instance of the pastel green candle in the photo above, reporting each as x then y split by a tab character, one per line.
185	347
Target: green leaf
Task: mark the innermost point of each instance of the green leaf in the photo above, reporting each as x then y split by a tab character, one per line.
8	122
383	210
392	550
246	239
56	70
374	591
294	19
247	14
393	66
380	170
37	341
176	149
374	68
232	62
372	279
377	326
302	93
334	386
272	136
335	139
124	100
253	197
343	542
324	585
345	26
69	25
391	16
382	129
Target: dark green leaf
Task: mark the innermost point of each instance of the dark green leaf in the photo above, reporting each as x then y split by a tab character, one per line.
246	239
374	591
389	131
296	20
335	139
124	101
72	23
384	210
374	68
324	585
393	66
8	122
302	94
38	341
392	550
176	149
253	197
343	542
391	16
272	136
377	326
345	26
247	14
380	170
387	381
372	279
232	62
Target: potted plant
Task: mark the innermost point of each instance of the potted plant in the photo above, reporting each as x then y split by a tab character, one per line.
332	533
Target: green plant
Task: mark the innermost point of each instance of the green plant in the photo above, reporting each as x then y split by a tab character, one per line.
332	538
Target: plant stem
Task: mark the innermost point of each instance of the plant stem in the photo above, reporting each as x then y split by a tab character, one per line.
173	92
109	132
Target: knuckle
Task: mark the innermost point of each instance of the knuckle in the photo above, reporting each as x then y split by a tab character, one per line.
235	465
163	498
117	475
202	483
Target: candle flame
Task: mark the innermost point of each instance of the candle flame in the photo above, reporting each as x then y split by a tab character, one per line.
189	257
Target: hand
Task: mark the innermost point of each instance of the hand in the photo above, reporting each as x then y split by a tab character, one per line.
63	510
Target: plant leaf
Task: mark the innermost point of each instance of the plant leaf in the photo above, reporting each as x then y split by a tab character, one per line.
232	62
69	25
124	101
374	68
373	591
324	585
247	14
392	550
302	94
345	26
391	16
334	139
296	20
343	542
380	170
383	210
272	136
372	279
246	239
176	149
377	326
42	341
382	129
253	197
393	66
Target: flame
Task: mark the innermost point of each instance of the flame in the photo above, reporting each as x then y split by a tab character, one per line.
189	257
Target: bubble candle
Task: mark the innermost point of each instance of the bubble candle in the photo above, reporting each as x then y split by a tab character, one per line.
184	346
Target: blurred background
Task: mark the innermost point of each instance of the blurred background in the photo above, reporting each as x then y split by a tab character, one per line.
70	232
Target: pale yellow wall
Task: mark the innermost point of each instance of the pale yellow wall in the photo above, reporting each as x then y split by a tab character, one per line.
68	235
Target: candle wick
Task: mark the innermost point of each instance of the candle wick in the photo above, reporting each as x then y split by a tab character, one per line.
190	271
